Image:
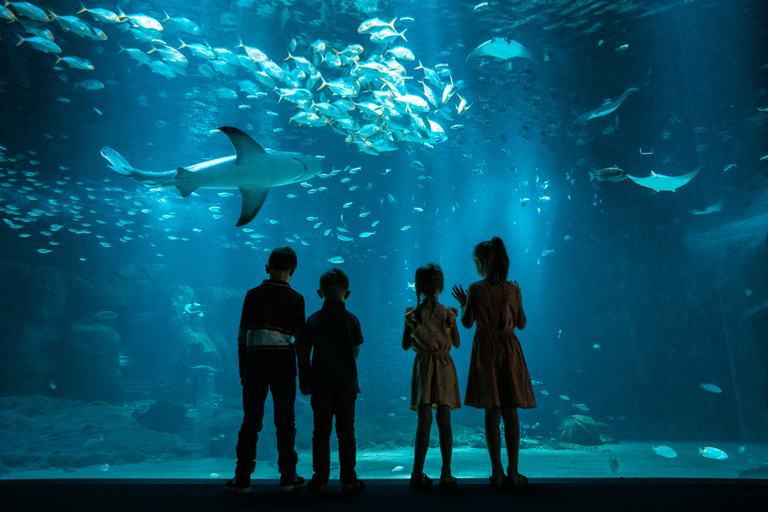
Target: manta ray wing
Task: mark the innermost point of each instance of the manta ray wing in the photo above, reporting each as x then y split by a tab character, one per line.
661	183
501	48
253	198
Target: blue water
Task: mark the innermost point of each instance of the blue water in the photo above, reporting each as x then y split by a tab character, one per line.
632	300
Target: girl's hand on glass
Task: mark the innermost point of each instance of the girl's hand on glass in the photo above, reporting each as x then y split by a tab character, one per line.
460	295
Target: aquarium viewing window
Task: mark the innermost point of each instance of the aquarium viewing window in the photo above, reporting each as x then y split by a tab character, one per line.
153	154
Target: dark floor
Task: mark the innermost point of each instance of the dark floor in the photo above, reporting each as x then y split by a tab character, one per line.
386	495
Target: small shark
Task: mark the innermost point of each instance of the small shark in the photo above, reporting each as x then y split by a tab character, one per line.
502	48
606	109
661	183
252	169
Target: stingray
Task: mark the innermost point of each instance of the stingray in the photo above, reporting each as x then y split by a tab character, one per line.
661	183
502	48
606	109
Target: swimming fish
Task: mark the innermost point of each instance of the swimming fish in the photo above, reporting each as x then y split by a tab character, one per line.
501	48
717	207
662	183
664	451
712	388
613	463
606	109
608	174
713	453
252	169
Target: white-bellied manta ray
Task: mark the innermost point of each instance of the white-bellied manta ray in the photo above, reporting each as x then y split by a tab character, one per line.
251	169
501	48
659	182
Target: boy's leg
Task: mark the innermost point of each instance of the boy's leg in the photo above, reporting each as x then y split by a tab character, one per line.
284	396
344	409
254	395
443	418
322	410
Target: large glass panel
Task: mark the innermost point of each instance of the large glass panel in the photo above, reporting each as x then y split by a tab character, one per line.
617	147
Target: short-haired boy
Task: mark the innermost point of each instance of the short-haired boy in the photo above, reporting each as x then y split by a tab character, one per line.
332	337
273	313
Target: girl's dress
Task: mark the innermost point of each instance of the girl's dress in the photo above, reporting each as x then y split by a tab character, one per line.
434	379
498	375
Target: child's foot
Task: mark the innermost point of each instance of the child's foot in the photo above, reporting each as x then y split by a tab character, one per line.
420	482
290	482
497	481
238	485
354	488
448	482
516	481
315	487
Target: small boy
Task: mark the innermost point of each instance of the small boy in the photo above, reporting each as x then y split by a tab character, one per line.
333	337
272	314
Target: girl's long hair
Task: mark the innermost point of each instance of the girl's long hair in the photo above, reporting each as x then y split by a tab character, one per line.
493	258
429	283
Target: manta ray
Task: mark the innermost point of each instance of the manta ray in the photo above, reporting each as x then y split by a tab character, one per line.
661	183
251	169
606	109
501	48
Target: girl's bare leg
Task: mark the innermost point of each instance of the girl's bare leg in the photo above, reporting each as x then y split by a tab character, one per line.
446	439
422	439
493	439
512	438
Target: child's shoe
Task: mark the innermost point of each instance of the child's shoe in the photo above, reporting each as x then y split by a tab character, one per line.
354	488
237	485
316	487
290	482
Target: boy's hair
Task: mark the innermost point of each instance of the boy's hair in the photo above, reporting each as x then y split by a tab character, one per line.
493	257
429	282
334	283
282	259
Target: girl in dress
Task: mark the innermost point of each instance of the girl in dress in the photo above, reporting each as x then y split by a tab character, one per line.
498	376
431	331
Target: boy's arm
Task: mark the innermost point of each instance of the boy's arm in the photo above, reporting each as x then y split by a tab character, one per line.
356	351
303	351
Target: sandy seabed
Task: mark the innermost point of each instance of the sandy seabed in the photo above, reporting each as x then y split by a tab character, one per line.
635	459
49	438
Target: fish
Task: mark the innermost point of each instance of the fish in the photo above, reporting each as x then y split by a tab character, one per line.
608	174
717	207
606	109
613	463
664	451
662	183
712	388
501	48
104	315
581	406
713	453
40	43
253	170
336	260
397	468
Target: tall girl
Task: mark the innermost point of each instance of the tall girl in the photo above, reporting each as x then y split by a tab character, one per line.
498	376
